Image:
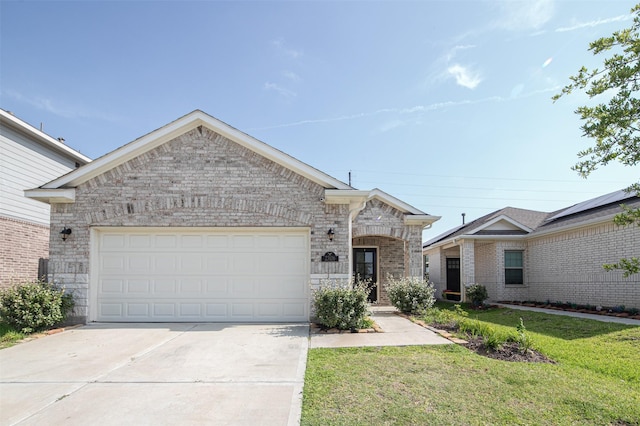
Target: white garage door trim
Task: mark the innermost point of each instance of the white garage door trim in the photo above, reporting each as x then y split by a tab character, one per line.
199	274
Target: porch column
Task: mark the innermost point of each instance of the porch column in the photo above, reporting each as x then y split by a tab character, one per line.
468	265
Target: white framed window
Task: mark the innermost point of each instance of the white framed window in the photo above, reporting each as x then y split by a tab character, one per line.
514	267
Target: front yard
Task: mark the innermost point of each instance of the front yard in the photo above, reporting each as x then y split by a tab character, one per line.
596	379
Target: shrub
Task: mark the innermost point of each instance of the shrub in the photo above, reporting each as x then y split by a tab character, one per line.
477	293
522	338
341	305
411	295
34	306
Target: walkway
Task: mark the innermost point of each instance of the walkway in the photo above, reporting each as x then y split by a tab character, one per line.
397	331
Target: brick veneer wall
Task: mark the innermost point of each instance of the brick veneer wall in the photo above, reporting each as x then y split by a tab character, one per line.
568	266
199	179
21	246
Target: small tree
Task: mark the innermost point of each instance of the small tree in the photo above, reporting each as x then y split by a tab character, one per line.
614	124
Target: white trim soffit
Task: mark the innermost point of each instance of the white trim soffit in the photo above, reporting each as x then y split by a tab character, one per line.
52	196
338	196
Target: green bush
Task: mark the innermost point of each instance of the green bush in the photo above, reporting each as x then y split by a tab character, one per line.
477	293
411	295
341	305
34	306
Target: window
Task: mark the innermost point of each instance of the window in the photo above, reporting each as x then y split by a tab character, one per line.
513	267
426	267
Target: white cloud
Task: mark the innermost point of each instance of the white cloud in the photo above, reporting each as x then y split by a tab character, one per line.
591	24
283	49
452	53
525	15
289	94
464	76
58	108
290	75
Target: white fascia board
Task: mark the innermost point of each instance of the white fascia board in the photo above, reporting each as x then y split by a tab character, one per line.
506	219
336	196
45	139
52	196
179	127
345	196
420	219
456	240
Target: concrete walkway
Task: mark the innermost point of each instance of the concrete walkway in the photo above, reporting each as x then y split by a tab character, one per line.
603	318
397	331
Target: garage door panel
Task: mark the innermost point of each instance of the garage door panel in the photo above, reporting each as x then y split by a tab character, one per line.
202	276
138	286
164	286
139	241
112	263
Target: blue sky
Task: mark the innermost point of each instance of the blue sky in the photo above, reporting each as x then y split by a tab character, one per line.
443	104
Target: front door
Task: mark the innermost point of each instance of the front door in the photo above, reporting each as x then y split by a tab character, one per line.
365	268
453	274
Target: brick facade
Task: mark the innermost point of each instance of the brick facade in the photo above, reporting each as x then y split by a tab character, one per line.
21	246
202	179
563	266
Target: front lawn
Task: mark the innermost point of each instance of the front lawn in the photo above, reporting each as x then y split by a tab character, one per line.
596	379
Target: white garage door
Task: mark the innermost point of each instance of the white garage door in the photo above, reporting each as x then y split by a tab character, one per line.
194	275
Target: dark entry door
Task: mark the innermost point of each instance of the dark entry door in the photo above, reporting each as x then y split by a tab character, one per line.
453	274
365	267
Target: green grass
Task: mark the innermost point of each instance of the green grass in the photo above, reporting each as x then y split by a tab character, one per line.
595	382
8	336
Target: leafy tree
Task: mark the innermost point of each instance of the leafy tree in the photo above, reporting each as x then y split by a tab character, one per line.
613	124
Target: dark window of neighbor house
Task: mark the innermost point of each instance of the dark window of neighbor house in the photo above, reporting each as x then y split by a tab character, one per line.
513	267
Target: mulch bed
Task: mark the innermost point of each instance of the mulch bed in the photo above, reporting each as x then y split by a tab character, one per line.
509	351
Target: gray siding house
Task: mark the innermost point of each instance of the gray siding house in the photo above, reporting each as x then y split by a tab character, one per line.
198	221
28	158
536	256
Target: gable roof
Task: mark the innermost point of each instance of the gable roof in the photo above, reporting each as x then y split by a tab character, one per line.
178	127
10	120
61	190
522	222
534	223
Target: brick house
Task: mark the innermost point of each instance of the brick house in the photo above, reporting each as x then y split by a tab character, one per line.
28	158
530	255
197	221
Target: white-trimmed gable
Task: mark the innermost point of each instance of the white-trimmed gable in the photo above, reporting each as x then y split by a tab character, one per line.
501	223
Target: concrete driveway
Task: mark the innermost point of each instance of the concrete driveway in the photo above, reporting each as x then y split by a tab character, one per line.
105	374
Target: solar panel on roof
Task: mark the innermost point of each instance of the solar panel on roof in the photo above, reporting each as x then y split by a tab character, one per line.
603	200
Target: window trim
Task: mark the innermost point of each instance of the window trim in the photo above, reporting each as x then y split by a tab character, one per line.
512	268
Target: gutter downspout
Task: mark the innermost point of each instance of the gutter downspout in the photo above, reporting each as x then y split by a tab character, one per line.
355	207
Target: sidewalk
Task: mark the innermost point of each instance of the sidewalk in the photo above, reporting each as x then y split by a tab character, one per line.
397	331
603	318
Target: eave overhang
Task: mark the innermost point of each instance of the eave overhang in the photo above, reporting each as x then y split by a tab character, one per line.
52	196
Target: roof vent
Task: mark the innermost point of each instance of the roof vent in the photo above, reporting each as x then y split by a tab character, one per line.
61	140
463	215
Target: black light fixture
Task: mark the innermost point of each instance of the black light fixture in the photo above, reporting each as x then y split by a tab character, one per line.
330	233
65	233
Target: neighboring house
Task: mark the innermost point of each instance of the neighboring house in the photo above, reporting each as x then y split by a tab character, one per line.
28	158
197	221
529	255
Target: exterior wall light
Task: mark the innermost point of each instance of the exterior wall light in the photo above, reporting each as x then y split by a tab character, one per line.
65	233
330	233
